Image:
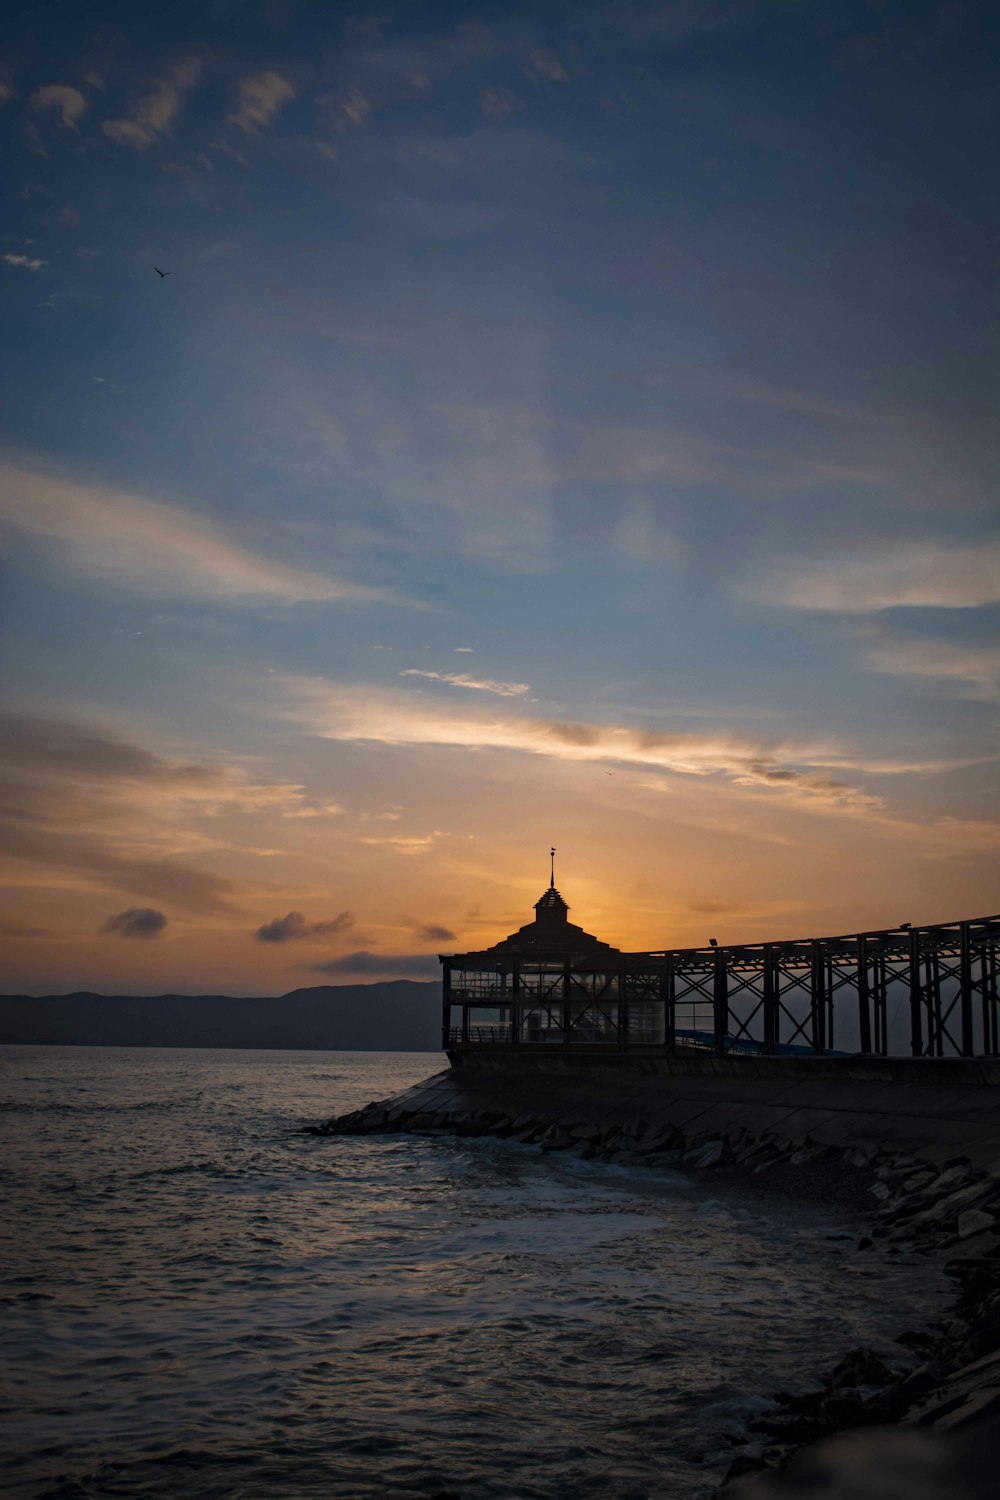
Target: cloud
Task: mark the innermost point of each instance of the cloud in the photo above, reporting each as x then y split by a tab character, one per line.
363	962
979	832
890	575
107	533
479	684
542	64
976	668
104	863
294	928
68	102
497	104
432	932
154	115
60	749
352	107
29	262
116	815
57	747
262	98
408	843
359	714
136	922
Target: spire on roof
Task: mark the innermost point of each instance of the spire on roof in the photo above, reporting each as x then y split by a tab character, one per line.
551	906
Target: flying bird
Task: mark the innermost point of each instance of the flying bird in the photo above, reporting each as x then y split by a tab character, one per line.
162	273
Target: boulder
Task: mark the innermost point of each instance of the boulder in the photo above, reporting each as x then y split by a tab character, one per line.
860	1367
974	1221
708	1155
744	1463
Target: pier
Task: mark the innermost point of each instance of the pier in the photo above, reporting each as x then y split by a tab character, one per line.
922	992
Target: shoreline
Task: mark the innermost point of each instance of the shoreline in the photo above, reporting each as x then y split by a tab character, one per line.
947	1209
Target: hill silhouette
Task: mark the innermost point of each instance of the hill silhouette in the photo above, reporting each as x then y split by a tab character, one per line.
401	1015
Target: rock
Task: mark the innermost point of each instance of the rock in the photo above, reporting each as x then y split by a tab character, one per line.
790	1428
966	1197
657	1140
917	1384
865	1242
983	1246
973	1409
880	1191
841	1412
948	1180
708	1155
744	1463
585	1132
973	1221
860	1367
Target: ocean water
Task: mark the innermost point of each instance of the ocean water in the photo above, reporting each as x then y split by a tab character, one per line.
200	1301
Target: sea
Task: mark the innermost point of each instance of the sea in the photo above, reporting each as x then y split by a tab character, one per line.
199	1300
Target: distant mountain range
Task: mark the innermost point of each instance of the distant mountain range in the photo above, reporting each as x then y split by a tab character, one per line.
399	1015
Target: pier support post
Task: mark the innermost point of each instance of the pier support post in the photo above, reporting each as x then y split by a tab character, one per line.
721	1000
965	991
817	996
446	1006
515	1004
864	1011
916	997
770	1002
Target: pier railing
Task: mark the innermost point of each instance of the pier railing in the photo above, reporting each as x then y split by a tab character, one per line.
920	991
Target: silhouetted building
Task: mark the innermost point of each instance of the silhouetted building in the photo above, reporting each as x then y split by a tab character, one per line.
551	982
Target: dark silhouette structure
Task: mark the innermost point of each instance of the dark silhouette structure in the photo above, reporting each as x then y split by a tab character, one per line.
926	991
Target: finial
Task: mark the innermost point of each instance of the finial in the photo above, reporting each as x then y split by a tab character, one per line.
552	856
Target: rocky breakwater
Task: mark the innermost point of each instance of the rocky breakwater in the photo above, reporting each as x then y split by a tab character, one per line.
928	1419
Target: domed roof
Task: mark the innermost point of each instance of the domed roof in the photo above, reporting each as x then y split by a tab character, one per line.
550	935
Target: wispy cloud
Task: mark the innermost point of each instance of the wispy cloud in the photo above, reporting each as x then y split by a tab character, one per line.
262	97
497	104
106	533
798	771
889	575
27	262
542	64
116	815
352	107
403	843
154	115
477	684
973	671
63	100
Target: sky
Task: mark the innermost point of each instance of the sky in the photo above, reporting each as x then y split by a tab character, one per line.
559	424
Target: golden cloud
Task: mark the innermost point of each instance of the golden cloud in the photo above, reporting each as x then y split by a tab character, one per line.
361	713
